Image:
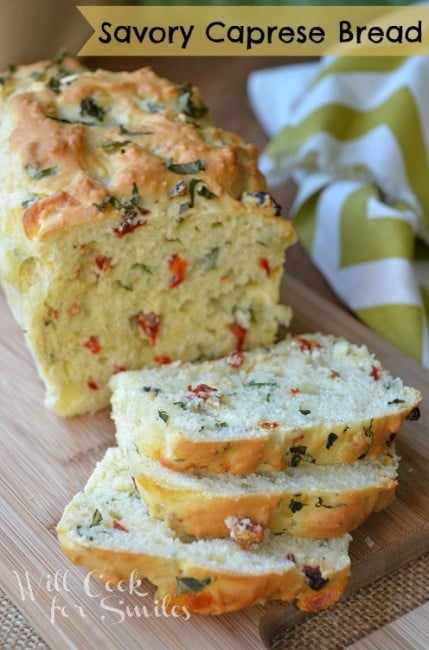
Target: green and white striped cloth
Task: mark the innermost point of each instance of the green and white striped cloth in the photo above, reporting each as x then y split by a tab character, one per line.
354	133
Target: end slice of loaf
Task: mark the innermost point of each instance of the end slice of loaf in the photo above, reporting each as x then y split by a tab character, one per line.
311	398
132	231
307	501
107	529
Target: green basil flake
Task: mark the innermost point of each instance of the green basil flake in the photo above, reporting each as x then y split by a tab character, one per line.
37	172
221	425
164	416
298	454
257	384
202	191
320	504
295	506
108	200
305	411
26	204
127	287
113	145
135	197
184	207
60	56
190	585
396	401
89	107
186	168
210	259
142	267
96	518
124	131
181	404
186	102
370	435
54	84
331	439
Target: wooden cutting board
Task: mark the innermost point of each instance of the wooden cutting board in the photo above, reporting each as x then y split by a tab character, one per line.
44	460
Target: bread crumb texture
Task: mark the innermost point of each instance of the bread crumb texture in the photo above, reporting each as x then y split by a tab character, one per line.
133	230
309	399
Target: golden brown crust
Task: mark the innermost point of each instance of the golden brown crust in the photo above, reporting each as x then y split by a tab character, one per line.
76	130
325	514
354	442
225	591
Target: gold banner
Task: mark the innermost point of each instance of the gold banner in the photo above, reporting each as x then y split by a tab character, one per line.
261	31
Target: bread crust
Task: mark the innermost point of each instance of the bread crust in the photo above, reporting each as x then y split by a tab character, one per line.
325	514
225	591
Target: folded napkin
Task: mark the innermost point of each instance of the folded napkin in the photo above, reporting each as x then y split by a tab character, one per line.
354	134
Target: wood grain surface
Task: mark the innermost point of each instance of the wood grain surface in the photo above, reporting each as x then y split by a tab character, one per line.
44	460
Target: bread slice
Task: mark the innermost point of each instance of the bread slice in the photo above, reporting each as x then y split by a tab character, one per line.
132	230
306	501
312	398
107	529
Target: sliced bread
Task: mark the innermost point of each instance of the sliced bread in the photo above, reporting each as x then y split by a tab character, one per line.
107	529
312	398
307	501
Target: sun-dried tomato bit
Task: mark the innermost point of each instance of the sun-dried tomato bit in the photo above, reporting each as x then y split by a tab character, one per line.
92	384
118	526
314	577
294	391
131	220
54	313
270	426
202	391
291	557
92	345
103	262
74	308
177	266
117	369
375	373
307	345
235	359
162	359
334	374
240	334
264	264
244	532
149	325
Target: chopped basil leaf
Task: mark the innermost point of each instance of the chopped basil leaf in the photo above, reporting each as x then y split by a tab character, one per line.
221	425
414	414
305	411
164	416
113	145
295	506
25	204
190	585
186	168
298	454
186	103
142	267
210	259
124	131
396	401
257	384
181	404
60	56
37	172
202	191
127	287
320	504
108	200
96	518
331	439
89	107
368	434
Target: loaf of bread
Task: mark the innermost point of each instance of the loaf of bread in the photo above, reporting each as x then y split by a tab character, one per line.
132	230
306	501
312	398
106	528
